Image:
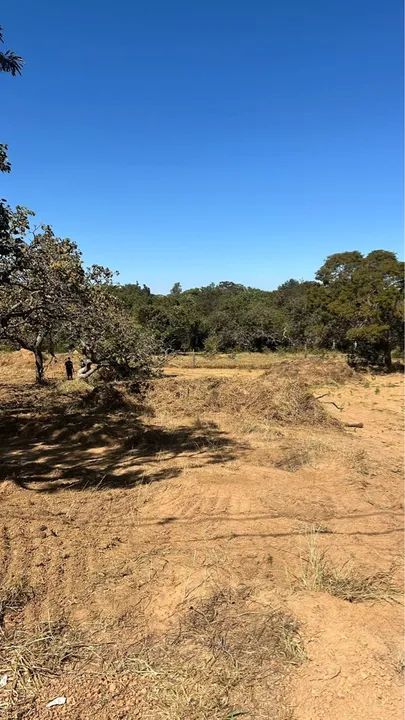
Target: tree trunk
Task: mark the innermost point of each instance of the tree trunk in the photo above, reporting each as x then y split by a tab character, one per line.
387	357
39	366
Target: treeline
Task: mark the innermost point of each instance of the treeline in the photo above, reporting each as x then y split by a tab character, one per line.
355	304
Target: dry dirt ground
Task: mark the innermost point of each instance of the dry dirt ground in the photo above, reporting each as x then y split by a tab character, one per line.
198	557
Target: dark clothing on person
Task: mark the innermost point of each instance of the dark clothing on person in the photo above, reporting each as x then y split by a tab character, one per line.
69	369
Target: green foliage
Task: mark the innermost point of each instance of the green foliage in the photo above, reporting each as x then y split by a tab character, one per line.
5	165
10	62
42	283
47	298
176	289
354	305
362	303
108	336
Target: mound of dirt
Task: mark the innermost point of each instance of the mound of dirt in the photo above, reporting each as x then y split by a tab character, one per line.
266	398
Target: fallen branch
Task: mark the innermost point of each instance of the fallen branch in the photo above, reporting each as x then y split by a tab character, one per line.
354	424
83	374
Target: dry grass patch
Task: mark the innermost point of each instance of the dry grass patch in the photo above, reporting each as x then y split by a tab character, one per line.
359	461
292	448
13	598
326	367
225	657
262	399
318	528
292	459
29	656
296	452
346	582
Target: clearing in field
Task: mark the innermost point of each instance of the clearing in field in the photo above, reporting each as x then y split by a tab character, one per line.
224	546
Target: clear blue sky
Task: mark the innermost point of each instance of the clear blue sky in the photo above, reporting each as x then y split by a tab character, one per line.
204	140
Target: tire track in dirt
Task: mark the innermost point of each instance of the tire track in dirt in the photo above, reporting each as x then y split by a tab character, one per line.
134	560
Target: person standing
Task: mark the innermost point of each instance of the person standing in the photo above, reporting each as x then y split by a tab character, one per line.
69	369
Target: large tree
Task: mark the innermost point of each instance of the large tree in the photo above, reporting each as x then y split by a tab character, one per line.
48	298
363	301
43	288
106	333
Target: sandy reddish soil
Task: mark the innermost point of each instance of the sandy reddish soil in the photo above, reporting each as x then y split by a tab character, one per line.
216	508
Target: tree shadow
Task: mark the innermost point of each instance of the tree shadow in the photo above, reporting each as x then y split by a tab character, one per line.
55	451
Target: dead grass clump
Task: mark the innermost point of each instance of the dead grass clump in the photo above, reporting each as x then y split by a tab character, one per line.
346	583
218	623
28	657
111	397
106	397
359	461
201	671
266	398
295	451
75	388
292	459
13	598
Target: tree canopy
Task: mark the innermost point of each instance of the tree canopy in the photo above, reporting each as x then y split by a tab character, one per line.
354	301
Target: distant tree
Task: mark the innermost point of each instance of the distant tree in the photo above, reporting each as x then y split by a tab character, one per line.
355	302
297	308
363	302
175	320
226	286
176	289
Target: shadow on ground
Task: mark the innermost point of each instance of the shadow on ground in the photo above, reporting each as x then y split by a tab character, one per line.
54	451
